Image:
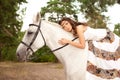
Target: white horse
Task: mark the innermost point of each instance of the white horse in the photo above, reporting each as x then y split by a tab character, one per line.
74	60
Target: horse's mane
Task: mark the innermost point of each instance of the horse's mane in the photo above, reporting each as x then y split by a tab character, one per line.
53	23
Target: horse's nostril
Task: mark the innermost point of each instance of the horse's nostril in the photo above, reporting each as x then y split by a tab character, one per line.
17	54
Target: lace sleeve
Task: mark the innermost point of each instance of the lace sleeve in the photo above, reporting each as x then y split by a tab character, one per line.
109	37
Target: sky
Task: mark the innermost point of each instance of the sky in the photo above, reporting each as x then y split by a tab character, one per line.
114	14
34	6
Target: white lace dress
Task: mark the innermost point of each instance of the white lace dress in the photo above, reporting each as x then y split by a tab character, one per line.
103	57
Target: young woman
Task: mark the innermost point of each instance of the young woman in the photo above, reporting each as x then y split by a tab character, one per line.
77	29
99	52
83	32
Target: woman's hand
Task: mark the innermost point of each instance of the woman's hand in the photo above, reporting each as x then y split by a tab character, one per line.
64	41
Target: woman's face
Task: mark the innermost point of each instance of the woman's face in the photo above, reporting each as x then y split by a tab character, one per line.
66	26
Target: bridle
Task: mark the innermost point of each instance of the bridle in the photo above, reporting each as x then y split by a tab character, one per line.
37	31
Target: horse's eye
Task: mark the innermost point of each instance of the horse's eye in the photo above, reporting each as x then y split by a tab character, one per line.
29	32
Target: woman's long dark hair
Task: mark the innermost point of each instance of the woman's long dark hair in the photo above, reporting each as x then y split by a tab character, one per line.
73	23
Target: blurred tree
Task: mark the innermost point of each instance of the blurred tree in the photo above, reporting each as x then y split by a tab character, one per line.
118	1
117	29
9	26
59	8
92	10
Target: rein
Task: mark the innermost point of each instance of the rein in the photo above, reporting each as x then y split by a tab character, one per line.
63	45
37	31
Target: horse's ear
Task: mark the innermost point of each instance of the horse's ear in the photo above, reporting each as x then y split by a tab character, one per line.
36	17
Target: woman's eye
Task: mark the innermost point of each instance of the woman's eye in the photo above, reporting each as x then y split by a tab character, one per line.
66	23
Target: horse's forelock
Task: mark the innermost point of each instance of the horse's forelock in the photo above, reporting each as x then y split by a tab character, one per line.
36	17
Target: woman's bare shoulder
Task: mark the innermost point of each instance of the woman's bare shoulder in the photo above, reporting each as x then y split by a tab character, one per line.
80	27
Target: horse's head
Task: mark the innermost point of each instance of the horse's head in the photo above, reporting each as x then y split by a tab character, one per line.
31	41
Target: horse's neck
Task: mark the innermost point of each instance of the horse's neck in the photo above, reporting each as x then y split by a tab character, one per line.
54	33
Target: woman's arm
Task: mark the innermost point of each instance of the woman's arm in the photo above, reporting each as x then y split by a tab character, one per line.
80	33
